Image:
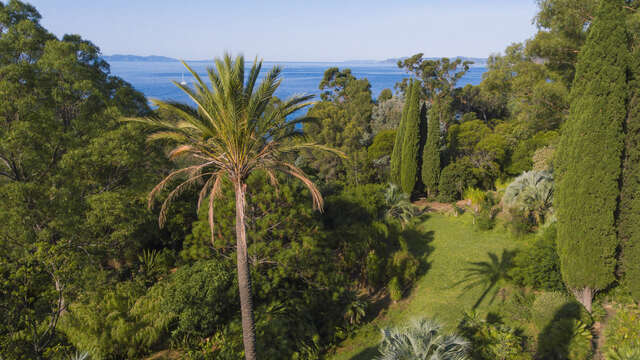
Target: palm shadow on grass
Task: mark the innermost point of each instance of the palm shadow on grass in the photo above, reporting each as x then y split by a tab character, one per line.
366	354
487	274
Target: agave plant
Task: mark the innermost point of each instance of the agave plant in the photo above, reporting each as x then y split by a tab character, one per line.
531	192
421	340
399	206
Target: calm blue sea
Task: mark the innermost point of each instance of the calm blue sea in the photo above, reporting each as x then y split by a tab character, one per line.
154	78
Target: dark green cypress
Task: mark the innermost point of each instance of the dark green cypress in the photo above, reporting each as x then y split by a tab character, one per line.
589	157
629	219
396	154
431	152
411	142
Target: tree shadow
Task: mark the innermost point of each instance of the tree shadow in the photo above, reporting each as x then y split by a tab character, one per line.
554	339
487	274
366	354
419	244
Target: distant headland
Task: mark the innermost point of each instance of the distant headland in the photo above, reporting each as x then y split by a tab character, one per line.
158	58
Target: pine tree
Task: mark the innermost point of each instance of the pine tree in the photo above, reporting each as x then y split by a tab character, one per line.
629	218
396	154
431	152
411	142
589	157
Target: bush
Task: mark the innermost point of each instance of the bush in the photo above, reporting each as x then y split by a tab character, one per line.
549	307
567	339
404	267
485	215
455	178
519	223
485	220
564	327
375	269
538	265
491	339
623	333
196	300
382	145
395	289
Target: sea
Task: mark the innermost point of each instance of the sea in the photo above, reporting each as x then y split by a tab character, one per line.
154	79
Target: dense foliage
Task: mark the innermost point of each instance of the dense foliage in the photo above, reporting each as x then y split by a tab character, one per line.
547	143
413	139
589	156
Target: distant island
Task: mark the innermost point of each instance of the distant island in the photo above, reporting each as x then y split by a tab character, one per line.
476	61
157	58
154	58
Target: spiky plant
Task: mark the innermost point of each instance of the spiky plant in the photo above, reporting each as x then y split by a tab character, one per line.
235	129
531	192
423	340
476	196
399	206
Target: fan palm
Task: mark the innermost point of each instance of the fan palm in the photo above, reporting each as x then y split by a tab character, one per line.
422	340
531	192
237	128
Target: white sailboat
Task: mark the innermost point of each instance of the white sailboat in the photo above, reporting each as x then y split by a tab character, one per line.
183	82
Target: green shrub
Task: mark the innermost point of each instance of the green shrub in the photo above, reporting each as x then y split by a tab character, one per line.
382	145
538	265
567	339
519	223
196	300
485	220
491	339
563	325
104	326
454	179
518	306
623	333
375	269
623	353
549	307
404	267
395	289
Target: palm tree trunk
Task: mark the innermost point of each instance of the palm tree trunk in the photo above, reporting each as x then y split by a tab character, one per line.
244	277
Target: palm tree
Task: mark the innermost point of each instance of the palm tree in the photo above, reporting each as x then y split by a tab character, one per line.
237	128
421	340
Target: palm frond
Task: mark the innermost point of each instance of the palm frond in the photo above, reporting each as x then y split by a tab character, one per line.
236	127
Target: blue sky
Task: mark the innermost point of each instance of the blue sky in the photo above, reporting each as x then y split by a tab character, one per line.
326	30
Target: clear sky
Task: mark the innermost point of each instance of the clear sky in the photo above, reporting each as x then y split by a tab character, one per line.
288	30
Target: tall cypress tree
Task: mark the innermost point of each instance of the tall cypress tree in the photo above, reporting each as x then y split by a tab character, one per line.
431	152
396	154
629	218
411	142
589	157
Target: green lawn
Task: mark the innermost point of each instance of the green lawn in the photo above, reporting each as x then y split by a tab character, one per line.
453	243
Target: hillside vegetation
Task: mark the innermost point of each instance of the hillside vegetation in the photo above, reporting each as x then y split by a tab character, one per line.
241	225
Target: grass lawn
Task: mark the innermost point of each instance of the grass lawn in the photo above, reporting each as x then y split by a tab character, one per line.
453	242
